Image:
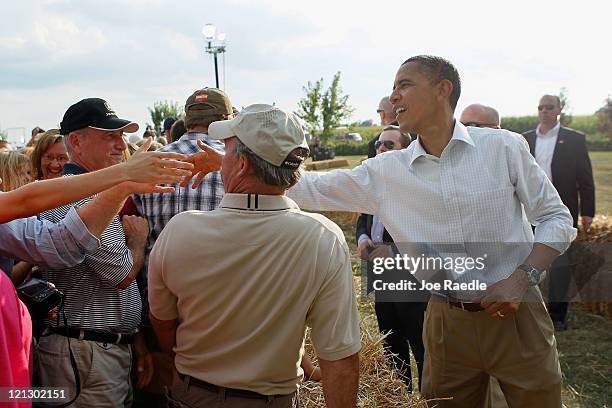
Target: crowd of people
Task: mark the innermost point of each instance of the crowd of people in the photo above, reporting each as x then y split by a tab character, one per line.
189	271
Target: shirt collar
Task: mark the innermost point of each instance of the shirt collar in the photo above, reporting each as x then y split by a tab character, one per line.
258	202
194	136
554	132
460	133
71	168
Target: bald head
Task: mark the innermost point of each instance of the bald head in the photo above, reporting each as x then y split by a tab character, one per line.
386	112
480	116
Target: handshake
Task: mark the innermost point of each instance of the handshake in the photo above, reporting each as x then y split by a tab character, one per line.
146	171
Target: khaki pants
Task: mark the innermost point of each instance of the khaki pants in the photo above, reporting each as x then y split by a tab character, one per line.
186	395
463	349
104	370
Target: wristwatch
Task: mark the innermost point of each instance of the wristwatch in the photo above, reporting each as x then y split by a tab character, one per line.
534	275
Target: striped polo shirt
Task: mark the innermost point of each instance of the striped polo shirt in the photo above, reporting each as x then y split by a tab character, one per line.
92	299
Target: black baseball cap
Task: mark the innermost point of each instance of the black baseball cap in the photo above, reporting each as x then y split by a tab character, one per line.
96	114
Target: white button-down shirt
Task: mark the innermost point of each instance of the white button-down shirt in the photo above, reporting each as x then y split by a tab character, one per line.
545	148
469	197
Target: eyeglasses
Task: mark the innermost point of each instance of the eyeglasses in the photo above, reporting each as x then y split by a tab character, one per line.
547	107
480	125
60	159
389	144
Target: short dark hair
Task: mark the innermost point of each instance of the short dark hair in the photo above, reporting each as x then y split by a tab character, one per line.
438	69
405	138
177	130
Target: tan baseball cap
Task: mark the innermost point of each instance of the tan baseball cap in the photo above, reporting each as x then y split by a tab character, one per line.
207	102
269	132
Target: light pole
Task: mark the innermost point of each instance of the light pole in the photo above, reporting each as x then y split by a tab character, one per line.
209	32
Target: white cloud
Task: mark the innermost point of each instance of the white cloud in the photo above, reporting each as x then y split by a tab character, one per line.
56	52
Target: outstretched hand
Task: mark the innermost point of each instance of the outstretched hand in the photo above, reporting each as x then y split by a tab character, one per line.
157	167
207	161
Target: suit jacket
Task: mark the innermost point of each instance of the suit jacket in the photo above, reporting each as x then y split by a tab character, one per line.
571	170
364	226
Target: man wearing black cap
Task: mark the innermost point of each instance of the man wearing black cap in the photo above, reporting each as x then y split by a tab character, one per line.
102	304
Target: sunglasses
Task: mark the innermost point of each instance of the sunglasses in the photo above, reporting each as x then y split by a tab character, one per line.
480	125
389	144
547	107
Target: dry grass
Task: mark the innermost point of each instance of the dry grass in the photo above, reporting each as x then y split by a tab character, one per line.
379	384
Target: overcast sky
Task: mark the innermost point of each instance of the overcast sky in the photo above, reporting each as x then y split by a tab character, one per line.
132	53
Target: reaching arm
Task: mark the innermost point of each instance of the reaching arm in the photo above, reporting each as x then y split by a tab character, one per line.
340	381
338	190
144	167
60	245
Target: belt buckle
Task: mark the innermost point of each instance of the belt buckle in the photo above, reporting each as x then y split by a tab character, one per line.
81	334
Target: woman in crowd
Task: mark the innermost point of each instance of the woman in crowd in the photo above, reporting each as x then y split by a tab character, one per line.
15	170
49	155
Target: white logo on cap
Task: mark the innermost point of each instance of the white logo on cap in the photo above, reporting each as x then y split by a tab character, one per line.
110	112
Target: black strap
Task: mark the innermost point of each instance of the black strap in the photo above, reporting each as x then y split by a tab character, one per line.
75	368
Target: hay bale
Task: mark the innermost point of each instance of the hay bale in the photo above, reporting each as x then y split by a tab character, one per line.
379	384
327	164
592	257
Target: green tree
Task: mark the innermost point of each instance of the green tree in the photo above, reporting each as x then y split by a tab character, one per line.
604	118
162	110
308	107
566	117
3	135
334	108
324	111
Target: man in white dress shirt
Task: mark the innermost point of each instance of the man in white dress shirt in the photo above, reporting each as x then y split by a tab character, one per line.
465	187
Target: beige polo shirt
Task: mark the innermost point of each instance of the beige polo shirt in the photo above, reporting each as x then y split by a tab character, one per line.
244	281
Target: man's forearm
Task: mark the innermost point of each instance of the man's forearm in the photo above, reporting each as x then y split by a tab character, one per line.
99	213
541	256
138	256
34	198
340	381
165	331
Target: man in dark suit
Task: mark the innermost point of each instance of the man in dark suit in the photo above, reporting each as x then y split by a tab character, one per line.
562	153
404	319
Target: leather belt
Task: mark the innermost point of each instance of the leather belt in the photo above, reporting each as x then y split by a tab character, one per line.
467	306
229	392
93	335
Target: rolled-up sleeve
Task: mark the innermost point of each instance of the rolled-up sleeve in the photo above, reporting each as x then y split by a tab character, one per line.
41	242
337	190
540	199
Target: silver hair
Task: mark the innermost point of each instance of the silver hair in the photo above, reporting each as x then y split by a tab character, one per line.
269	173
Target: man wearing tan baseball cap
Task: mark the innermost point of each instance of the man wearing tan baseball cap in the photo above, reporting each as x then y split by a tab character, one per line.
246	279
